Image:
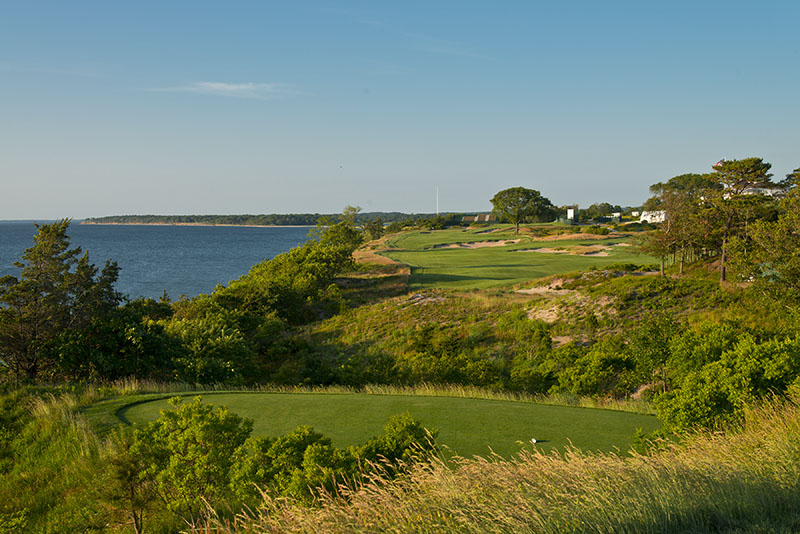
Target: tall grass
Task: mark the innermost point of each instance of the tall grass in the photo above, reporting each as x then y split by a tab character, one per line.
747	480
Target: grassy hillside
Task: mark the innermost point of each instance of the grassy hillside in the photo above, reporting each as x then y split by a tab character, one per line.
466	426
745	481
495	256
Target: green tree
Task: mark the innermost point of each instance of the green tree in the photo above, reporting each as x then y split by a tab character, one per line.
298	285
403	439
295	464
657	243
128	341
692	184
125	489
687	218
731	201
188	452
518	204
606	368
374	228
58	290
602	209
791	181
650	346
770	255
718	392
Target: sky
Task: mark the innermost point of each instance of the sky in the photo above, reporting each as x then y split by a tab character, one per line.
194	107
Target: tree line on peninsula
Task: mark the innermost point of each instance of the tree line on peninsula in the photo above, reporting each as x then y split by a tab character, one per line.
272	219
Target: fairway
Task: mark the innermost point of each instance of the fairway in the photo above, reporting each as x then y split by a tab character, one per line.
466	426
501	262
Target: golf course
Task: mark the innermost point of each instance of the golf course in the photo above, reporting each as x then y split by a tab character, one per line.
466	426
494	256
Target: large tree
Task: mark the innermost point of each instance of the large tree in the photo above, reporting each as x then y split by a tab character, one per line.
733	202
58	290
686	226
518	204
769	252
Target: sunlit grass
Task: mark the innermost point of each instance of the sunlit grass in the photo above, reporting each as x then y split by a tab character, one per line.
497	266
747	480
467	424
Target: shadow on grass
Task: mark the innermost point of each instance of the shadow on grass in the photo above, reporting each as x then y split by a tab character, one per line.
439	278
499	266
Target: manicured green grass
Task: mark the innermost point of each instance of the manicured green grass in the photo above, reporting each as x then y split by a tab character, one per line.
499	265
466	426
741	481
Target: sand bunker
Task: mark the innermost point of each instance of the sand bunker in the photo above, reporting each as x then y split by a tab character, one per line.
574	237
479	244
591	250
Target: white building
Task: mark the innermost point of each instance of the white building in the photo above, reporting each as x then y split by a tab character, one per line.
653	217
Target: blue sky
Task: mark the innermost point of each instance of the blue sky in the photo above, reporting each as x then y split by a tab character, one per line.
259	107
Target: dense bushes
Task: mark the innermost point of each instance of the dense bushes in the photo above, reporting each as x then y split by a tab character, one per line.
196	454
596	230
62	319
718	391
58	475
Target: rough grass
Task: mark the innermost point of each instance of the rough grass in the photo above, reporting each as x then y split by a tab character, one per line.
467	426
496	266
747	480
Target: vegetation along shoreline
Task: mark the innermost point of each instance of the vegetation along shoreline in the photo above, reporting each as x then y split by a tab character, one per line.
690	315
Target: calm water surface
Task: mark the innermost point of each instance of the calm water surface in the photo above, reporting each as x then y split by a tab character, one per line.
183	260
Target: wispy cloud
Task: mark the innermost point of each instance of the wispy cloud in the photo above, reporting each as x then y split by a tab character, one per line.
258	91
427	43
443	47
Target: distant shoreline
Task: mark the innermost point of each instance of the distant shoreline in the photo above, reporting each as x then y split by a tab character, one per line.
196	224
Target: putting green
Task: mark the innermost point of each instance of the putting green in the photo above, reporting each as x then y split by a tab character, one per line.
466	426
499	258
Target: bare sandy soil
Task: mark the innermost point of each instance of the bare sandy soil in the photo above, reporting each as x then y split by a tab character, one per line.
592	250
479	244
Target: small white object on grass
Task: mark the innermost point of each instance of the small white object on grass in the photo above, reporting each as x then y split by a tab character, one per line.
533	440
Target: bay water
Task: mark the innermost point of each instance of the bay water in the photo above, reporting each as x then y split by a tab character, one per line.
181	260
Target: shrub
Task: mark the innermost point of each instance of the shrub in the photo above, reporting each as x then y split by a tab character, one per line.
188	452
597	230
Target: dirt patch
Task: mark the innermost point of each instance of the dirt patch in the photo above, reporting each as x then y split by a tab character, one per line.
553	287
606	305
560	341
555	300
548	315
621	245
424	298
591	250
371	253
